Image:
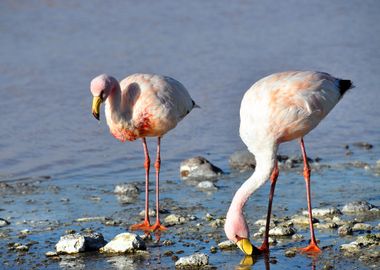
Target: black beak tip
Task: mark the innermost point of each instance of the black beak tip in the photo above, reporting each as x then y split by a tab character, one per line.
96	115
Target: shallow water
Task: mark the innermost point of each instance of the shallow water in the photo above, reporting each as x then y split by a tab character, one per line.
50	50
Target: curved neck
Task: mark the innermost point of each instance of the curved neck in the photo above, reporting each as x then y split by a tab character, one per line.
265	162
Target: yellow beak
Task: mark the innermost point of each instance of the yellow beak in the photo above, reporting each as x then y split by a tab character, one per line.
245	245
96	101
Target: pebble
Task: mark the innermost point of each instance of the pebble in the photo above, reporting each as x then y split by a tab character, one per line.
195	260
326	226
124	243
207	186
22	248
228	244
282	231
151	212
4	222
322	212
199	168
242	160
74	243
217	223
124	189
174	219
345	230
362	227
358	207
297	237
263	222
51	254
90	219
291	252
302	220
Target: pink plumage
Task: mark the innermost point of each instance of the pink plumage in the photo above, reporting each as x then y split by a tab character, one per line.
278	108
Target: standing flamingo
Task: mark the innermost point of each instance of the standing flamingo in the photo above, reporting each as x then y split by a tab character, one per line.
279	108
142	105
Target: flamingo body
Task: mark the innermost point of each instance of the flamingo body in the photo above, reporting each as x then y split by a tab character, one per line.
140	106
278	108
146	106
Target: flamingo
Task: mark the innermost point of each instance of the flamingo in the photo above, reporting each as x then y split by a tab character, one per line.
278	108
140	106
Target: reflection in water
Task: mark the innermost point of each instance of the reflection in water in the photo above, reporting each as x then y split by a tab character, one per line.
72	262
248	262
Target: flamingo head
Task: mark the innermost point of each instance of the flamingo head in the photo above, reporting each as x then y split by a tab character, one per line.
101	87
236	230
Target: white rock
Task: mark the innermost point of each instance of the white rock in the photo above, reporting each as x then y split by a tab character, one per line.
126	189
207	185
74	243
357	207
282	231
152	212
198	168
197	259
322	212
4	222
228	244
70	244
124	243
174	219
362	227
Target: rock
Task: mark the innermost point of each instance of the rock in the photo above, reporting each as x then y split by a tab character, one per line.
152	212
197	259
326	226
74	243
345	230
282	231
302	220
297	237
362	227
90	219
199	168
207	186
4	222
263	222
242	160
124	243
365	241
125	189
291	252
217	223
363	145
22	248
51	254
228	244
174	219
358	207
322	212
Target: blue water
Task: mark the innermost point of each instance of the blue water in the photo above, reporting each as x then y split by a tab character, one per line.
50	50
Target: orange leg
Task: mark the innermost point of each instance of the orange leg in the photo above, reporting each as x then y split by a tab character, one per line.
145	225
273	179
158	226
312	247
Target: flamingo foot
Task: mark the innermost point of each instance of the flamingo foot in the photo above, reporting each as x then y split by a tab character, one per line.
312	248
158	227
143	226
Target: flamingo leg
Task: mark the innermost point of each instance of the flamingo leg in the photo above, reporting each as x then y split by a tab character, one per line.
145	225
157	165
273	179
312	247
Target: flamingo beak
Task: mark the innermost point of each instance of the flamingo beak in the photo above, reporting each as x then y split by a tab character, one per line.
96	101
245	245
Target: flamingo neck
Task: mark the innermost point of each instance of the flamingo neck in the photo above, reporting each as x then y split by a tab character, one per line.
116	107
265	162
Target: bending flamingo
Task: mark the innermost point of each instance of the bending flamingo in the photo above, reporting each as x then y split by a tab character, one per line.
142	105
279	108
